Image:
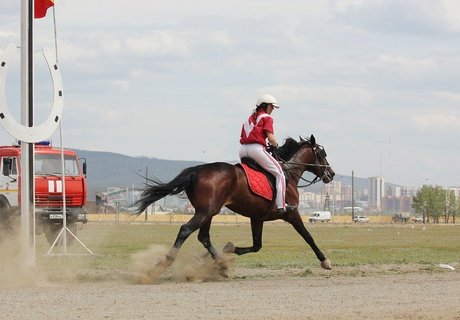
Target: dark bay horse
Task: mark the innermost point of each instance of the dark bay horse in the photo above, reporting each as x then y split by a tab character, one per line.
209	187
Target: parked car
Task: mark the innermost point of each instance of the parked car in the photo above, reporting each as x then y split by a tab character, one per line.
417	219
401	217
361	219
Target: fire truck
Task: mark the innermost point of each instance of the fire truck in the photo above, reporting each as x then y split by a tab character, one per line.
48	188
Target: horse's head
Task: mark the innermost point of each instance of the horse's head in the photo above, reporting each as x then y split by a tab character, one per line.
308	156
322	168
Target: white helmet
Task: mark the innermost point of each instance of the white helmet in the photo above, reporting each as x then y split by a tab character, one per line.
266	98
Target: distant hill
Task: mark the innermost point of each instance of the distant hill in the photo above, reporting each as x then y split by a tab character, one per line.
359	183
108	169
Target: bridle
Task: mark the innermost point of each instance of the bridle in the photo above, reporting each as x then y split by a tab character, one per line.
320	155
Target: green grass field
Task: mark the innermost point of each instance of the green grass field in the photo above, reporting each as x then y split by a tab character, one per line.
348	246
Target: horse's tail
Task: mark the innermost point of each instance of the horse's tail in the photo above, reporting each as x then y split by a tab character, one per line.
158	190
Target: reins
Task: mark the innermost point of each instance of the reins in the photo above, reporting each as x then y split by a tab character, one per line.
305	164
315	180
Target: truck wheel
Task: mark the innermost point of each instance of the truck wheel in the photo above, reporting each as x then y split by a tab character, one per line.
72	227
5	216
52	232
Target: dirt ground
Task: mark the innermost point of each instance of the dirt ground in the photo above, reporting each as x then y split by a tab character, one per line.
246	294
193	288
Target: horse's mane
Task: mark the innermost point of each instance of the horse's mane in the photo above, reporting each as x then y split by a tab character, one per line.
290	147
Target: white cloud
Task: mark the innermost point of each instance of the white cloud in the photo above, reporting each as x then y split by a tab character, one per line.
77	52
332	97
437	122
406	67
221	38
354	73
7	34
344	6
449	97
157	43
452	15
122	85
401	16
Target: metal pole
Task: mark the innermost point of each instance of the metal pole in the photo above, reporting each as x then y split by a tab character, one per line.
352	195
64	194
333	198
27	149
132	199
146	183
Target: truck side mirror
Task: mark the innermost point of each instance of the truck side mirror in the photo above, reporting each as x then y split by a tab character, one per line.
7	166
84	168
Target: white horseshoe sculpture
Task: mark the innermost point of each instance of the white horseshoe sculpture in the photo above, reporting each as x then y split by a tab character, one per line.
47	128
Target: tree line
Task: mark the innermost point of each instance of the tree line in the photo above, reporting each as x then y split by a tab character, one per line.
434	203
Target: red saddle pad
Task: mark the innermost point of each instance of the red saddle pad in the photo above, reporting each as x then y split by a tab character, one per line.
258	182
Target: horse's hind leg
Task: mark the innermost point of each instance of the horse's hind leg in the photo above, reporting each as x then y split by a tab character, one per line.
205	239
197	221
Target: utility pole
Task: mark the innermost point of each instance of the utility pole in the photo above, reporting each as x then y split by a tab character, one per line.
352	195
327	202
146	184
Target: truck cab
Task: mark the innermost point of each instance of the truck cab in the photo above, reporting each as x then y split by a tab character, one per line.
50	182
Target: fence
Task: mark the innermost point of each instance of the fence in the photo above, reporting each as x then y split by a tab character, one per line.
182	218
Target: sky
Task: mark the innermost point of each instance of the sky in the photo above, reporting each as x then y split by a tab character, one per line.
376	81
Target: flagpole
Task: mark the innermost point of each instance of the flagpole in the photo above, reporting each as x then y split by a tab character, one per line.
55	34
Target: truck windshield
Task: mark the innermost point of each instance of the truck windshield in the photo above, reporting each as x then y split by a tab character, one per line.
50	164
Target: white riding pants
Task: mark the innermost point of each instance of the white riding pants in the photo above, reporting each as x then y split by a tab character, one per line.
258	153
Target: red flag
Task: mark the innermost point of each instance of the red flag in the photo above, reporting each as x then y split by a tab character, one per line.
41	6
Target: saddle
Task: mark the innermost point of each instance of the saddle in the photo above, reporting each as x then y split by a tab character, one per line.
260	181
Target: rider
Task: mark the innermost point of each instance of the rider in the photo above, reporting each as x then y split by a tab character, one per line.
254	134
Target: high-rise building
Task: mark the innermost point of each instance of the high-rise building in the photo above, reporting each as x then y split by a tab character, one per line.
376	192
456	191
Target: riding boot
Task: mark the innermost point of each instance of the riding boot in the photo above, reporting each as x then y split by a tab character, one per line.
287	209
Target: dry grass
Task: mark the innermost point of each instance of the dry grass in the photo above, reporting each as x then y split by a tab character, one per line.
355	250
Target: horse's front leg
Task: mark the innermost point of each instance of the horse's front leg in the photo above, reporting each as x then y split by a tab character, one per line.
256	227
296	221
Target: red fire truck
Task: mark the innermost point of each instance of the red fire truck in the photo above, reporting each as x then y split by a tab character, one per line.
48	187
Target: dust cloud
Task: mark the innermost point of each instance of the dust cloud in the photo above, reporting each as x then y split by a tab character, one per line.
13	273
17	270
147	266
151	267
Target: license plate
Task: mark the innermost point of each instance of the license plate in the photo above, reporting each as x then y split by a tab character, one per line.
56	216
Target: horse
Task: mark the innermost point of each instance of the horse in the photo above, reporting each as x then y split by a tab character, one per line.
209	187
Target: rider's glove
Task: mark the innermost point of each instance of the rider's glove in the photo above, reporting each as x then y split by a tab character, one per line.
271	149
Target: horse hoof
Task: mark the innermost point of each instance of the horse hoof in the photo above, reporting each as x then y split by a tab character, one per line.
229	248
222	268
165	261
223	274
326	264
